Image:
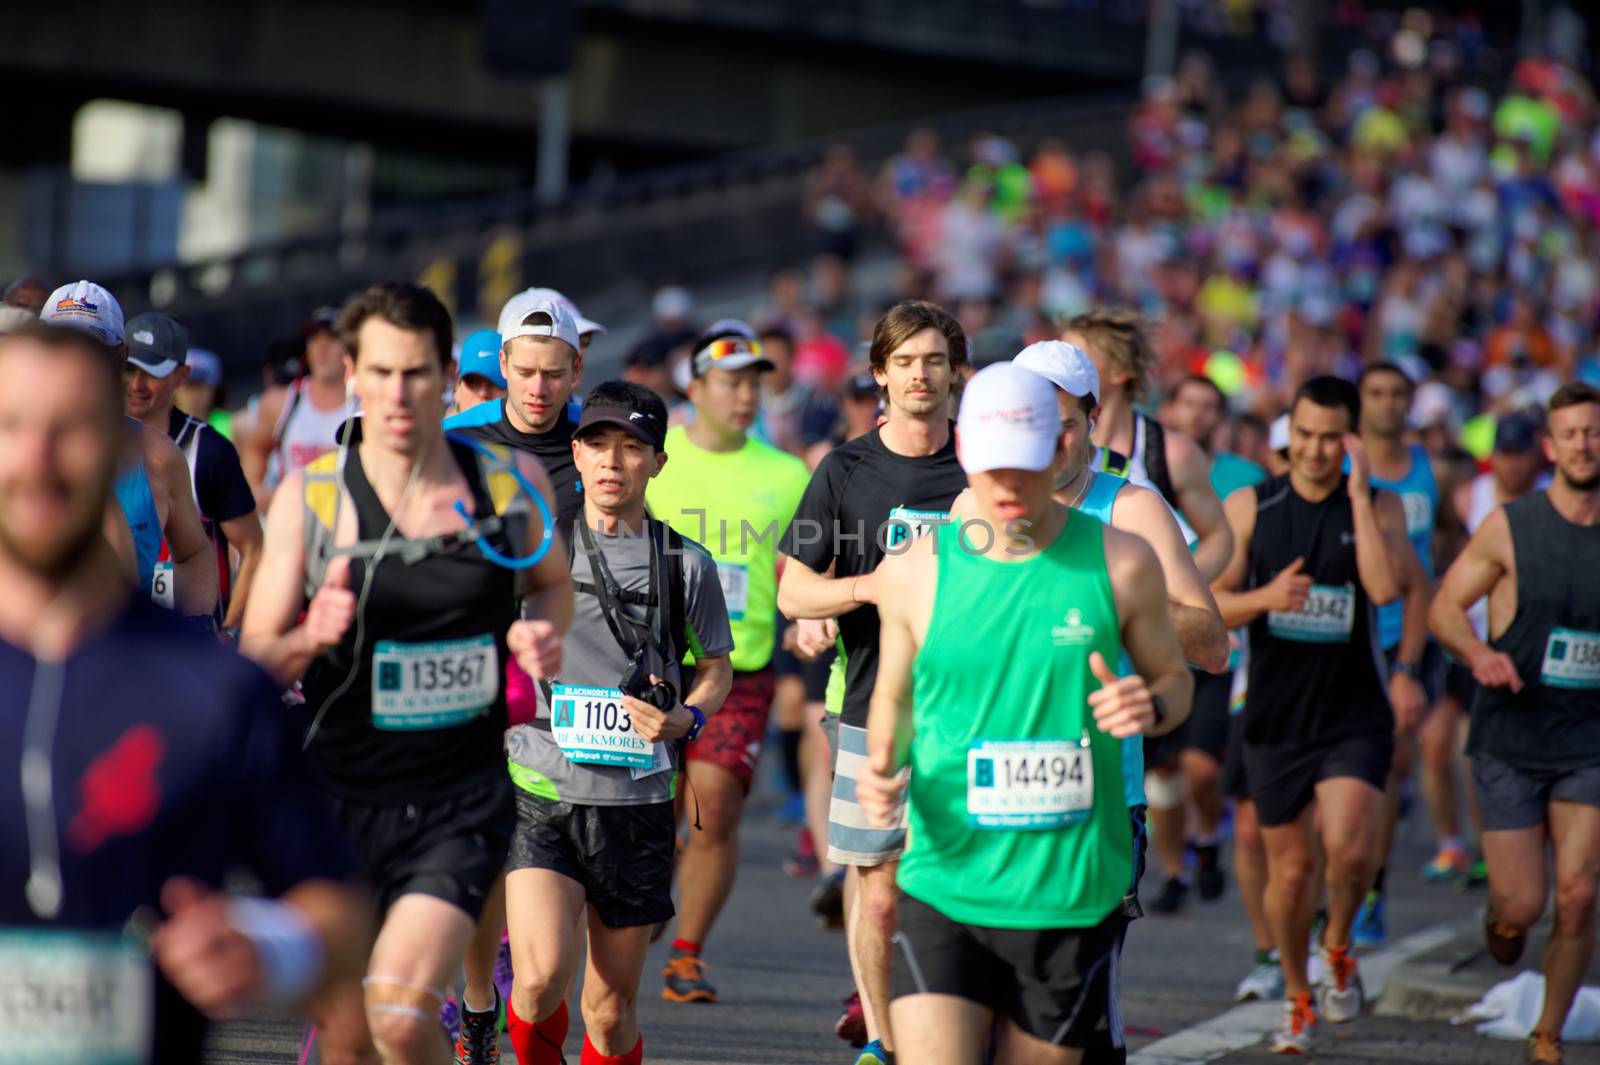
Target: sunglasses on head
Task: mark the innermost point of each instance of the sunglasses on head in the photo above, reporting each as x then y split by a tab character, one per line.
723	347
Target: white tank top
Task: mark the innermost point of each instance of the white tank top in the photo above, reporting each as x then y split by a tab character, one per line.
304	433
1141	476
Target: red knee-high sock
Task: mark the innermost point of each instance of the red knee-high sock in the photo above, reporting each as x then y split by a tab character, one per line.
538	1044
591	1056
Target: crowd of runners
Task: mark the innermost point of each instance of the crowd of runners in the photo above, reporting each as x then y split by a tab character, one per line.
442	669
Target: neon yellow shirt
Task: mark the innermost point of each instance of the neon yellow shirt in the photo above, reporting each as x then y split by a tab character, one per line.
737	504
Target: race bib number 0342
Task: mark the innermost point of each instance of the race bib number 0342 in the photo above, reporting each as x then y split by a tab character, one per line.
1029	784
591	725
73	998
433	685
1326	617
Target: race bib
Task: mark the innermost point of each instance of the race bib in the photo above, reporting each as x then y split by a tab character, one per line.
735	578
906	525
161	585
1326	617
591	725
1419	513
74	998
1029	784
1571	659
433	685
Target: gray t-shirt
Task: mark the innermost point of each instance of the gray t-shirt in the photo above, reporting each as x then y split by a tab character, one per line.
591	657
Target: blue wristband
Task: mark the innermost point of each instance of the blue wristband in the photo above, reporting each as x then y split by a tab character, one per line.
699	722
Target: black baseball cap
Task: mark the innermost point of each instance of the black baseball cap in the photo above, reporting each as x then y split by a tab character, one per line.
998	343
617	403
861	386
1518	431
157	344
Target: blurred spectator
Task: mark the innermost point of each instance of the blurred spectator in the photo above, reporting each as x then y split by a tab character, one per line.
795	416
29	293
838	201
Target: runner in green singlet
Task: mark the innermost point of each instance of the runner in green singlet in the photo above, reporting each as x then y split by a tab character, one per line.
1015	762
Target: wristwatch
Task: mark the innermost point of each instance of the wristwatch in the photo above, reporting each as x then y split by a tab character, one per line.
1409	669
699	722
1158	705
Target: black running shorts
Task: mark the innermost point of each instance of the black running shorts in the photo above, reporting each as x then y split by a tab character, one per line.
451	848
622	855
1058	984
1284	776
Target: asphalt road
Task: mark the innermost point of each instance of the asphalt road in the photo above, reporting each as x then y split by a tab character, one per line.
781	979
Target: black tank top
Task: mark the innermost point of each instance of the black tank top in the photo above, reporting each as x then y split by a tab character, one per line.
1315	675
1554	640
424	714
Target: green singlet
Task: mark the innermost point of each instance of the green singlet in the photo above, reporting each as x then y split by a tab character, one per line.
1016	812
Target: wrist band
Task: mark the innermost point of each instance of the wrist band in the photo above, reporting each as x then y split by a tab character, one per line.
289	947
699	722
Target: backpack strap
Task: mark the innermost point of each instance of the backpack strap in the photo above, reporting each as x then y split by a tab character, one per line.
322	490
1113	462
677	607
1155	459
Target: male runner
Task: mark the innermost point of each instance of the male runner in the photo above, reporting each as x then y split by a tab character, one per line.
735	495
542	362
1415	664
1314	551
294	424
868	496
1197	410
1515	469
136	798
479	379
158	352
596	770
172	558
1179	469
1535	738
1019	849
406	621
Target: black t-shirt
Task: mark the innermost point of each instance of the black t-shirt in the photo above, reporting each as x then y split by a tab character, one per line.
554	450
1318	674
191	768
862	498
220	487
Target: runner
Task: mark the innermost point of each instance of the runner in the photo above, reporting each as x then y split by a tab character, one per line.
1314	551
1014	756
1535	737
1415	664
171	556
1514	471
1177	468
158	353
1197	410
736	495
872	493
596	772
115	938
402	661
479	379
541	361
293	425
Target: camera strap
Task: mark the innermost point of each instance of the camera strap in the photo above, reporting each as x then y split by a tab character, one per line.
624	630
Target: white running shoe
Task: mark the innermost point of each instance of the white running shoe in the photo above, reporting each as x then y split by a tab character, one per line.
1293	1034
1340	995
1264	982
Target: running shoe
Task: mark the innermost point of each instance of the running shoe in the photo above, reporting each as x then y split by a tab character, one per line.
1369	930
450	1018
827	901
1450	862
1208	879
1505	941
1264	981
1543	1049
1174	893
803	862
479	1040
1477	876
1293	1035
503	979
792	814
1340	992
686	979
852	1024
874	1054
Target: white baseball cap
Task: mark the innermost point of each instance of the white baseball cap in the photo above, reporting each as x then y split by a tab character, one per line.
523	305
85	305
1278	433
585	325
1009	420
1064	365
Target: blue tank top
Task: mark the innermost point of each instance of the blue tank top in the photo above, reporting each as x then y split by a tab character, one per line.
1097	501
139	507
1419	497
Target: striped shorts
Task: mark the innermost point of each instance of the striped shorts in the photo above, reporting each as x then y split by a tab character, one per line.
851	839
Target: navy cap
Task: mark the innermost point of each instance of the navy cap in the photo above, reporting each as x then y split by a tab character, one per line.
644	425
1518	431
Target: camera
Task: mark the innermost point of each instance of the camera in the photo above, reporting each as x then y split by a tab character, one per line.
636	682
